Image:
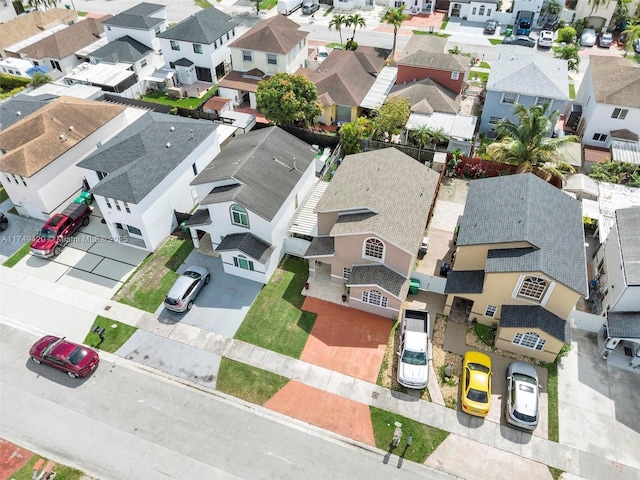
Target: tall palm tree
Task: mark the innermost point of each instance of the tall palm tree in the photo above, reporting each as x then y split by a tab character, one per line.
43	4
552	9
395	17
337	22
633	33
355	20
429	137
527	144
571	55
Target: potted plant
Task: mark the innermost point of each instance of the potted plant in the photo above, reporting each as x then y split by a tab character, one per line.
345	295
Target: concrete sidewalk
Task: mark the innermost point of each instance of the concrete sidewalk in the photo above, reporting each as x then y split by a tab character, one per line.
487	432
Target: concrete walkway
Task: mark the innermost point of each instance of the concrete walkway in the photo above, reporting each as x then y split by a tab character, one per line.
487	432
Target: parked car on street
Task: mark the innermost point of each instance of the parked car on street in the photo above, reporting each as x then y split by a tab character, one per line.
605	39
186	288
588	37
545	39
76	360
522	40
476	384
4	222
523	392
490	26
309	7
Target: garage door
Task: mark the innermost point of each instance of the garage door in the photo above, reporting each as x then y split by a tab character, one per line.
343	113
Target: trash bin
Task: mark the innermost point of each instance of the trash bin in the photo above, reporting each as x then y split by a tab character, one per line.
67	6
184	228
431	29
414	286
444	269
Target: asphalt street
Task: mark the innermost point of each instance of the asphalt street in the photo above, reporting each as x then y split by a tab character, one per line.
124	423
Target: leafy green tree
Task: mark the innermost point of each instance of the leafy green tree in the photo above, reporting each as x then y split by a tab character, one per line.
355	20
391	116
257	2
395	17
552	9
571	55
580	25
567	35
428	137
338	21
527	144
288	99
38	79
351	133
633	33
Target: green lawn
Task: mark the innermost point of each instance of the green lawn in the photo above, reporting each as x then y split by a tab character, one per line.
203	4
267	4
444	22
482	76
425	438
556	473
484	65
63	472
332	45
435	34
3	194
115	336
19	255
484	333
248	383
328	11
190	102
82	14
552	396
572	91
275	320
495	41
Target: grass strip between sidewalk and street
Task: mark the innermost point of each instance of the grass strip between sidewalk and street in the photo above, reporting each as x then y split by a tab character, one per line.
276	320
63	472
22	252
425	438
115	335
495	41
247	382
552	399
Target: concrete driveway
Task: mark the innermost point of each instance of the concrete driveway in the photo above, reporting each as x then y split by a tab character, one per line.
221	306
19	231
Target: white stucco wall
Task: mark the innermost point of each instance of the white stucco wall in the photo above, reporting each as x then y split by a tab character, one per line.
287	63
146	37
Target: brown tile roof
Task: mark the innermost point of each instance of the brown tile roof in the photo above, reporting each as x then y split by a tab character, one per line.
596	154
68	41
215	103
624	134
240	81
427	96
275	35
439	61
25	26
428	43
35	142
616	81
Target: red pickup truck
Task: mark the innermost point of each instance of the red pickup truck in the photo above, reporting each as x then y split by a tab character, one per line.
55	234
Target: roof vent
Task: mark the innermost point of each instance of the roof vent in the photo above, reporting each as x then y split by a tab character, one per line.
63	137
168	145
18	113
71	128
172	128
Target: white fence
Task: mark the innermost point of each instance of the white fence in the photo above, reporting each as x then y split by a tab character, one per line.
586	321
296	246
430	283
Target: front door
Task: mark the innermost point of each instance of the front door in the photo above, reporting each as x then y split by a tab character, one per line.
204	74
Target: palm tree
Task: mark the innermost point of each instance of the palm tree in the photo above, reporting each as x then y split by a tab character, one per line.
395	17
355	20
552	9
338	21
429	137
633	33
42	4
570	54
527	144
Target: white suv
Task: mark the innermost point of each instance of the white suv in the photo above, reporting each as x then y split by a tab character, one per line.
545	39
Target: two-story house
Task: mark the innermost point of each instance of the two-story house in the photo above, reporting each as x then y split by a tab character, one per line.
140	178
274	45
142	23
473	10
450	71
371	221
520	261
249	196
198	47
519	75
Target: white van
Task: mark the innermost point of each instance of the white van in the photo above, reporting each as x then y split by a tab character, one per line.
322	53
285	7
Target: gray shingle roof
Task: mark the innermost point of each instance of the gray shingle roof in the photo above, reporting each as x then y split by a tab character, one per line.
534	316
628	224
183	62
623	324
428	43
203	27
321	247
625	91
138	159
262	163
525	208
468	281
248	244
427	96
124	49
277	34
200	217
438	61
398	190
379	275
519	70
138	17
20	107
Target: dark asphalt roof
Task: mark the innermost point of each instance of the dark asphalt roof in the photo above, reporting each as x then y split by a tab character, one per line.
628	224
137	17
525	208
534	316
138	159
200	217
623	324
21	106
469	281
203	27
379	275
321	247
248	244
124	49
183	62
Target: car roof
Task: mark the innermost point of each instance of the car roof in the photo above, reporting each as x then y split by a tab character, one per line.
479	380
526	398
180	286
523	369
198	269
477	357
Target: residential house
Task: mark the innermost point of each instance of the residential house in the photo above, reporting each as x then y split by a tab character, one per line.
274	45
521	76
198	47
343	81
116	78
606	113
411	6
38	169
140	178
520	262
16	66
450	71
371	222
19	107
140	58
141	23
473	10
598	15
57	51
7	12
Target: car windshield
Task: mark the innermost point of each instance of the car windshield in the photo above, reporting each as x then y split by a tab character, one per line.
524	418
477	396
519	377
479	368
191	274
170	301
47	234
51	346
414	358
77	355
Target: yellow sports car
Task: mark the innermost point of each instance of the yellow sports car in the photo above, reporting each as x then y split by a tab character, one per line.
476	384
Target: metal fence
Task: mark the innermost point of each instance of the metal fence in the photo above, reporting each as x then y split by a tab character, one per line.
423	155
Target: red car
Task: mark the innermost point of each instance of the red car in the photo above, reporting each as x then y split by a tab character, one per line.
76	360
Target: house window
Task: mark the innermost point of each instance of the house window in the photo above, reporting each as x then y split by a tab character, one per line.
481	11
242	262
490	311
215	44
197	48
194	167
494	120
143	63
473	12
600	137
455	75
23	181
126	207
533	287
175	45
239	216
134	230
118	207
488	12
619	113
374	248
157	30
247	56
55	65
530	340
108	203
101	175
601	268
227	35
509	98
543	102
272	59
374	297
346	273
15	179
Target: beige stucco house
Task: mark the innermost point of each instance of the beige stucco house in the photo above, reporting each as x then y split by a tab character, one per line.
520	261
371	220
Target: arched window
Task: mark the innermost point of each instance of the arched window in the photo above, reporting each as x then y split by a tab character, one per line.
242	262
374	248
239	216
530	340
533	287
374	297
481	11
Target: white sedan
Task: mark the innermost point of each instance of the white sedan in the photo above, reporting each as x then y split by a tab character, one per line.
545	39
